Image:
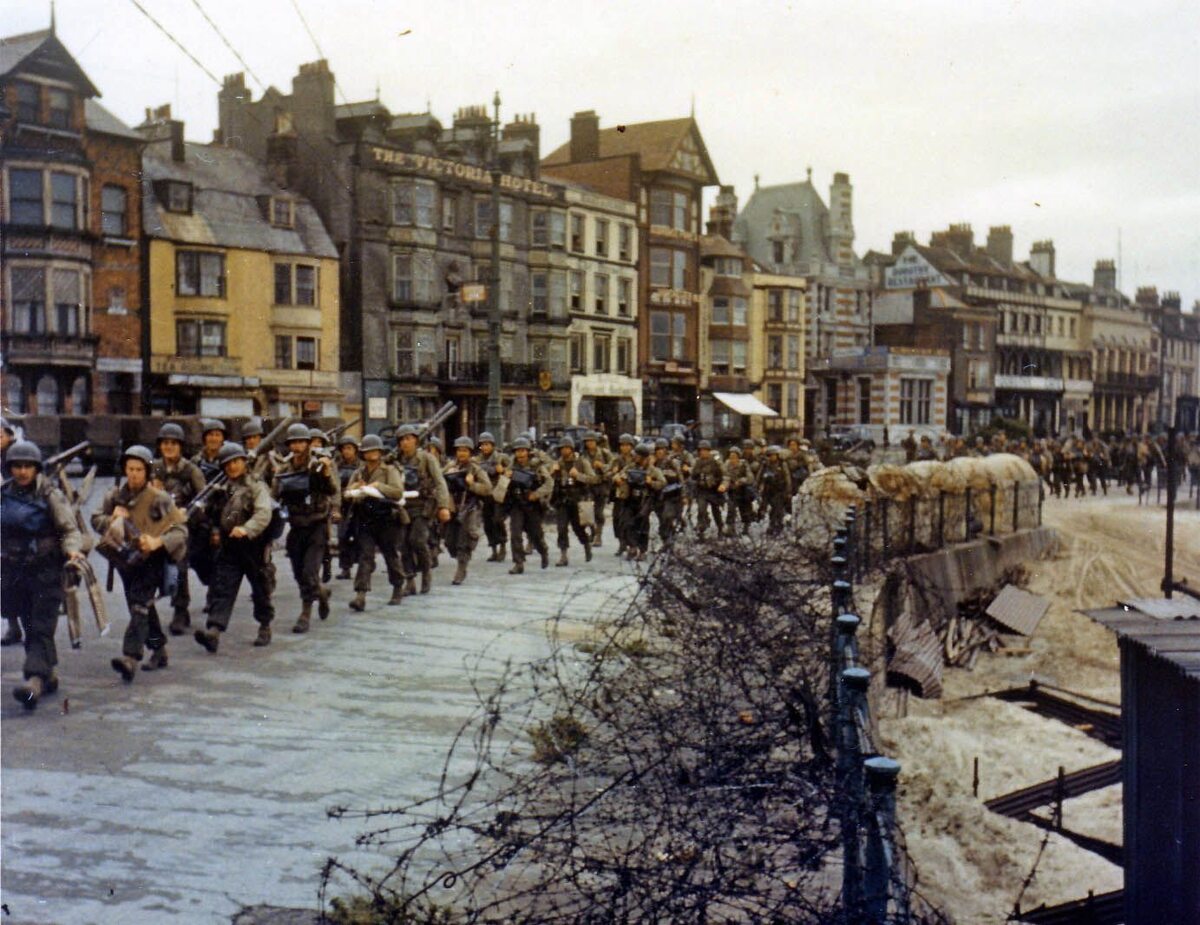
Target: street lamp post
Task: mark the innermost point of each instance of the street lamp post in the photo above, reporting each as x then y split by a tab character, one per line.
494	415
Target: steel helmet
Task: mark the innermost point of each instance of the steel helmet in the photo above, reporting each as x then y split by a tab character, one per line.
486	437
748	444
661	444
704	445
407	430
464	442
371	442
207	424
137	451
643	449
23	451
346	439
521	443
298	432
171	431
566	442
626	438
734	450
252	428
4	425
678	438
435	442
773	450
231	451
315	433
590	435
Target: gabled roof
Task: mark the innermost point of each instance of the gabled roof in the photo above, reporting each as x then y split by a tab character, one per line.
99	119
225	208
800	207
360	110
655	143
715	245
42	50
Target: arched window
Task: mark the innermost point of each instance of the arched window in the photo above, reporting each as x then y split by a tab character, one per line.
79	396
14	395
47	396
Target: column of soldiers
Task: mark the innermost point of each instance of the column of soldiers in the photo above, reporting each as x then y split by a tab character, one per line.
218	514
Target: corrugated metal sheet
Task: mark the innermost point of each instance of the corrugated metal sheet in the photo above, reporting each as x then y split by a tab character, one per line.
1018	610
918	655
1161	608
1176	641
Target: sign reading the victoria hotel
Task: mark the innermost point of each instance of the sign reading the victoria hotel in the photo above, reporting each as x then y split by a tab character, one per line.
428	166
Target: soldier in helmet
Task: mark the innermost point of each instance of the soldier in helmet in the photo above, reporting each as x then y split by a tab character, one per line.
8	436
379	520
38	535
240	533
436	449
596	452
422	474
142	531
669	499
251	435
212	436
468	485
202	554
318	445
710	487
310	493
572	477
774	488
797	463
494	465
684	461
347	544
621	508
182	480
529	485
635	486
741	491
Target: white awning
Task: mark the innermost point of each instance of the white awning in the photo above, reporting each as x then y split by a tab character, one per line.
745	403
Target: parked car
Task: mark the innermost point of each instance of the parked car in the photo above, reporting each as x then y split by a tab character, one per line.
850	436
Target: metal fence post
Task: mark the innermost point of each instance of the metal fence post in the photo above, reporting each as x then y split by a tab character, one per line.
865	565
845	628
854	683
881	849
912	523
886	546
967	515
1016	506
941	519
992	525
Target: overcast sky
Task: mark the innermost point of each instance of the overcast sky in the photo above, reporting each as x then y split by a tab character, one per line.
1066	120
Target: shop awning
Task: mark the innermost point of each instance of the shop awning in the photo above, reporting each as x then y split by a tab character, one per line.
745	403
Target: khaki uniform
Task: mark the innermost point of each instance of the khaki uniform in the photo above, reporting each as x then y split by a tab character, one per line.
311	494
247	505
422	473
524	512
467	504
775	491
740	480
573	479
601	459
709	487
493	513
183	481
636	501
379	525
669	499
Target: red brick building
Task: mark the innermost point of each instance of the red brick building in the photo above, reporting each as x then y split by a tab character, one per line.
663	167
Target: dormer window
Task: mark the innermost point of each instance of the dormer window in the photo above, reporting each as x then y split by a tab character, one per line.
178	196
281	212
28	98
60	108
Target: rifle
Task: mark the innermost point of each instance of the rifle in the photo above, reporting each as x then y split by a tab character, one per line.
439	418
334	432
219	482
58	460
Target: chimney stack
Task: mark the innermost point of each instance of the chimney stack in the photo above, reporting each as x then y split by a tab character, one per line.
1104	277
525	127
901	240
723	213
1041	258
585	136
159	126
958	238
1000	244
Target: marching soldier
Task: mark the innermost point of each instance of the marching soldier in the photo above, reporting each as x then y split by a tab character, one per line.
797	463
202	553
635	486
774	488
925	450
240	534
379	523
347	465
309	491
141	530
251	435
684	462
8	436
909	444
212	436
423	474
741	491
669	503
622	461
319	447
38	534
708	477
468	485
435	449
182	480
600	456
493	464
529	485
572	477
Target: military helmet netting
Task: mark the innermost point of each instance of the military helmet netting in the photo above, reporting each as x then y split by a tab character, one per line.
436	441
486	437
678	438
774	450
23	451
252	428
171	431
298	432
230	452
747	443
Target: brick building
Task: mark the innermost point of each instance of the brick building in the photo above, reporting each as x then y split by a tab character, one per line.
662	167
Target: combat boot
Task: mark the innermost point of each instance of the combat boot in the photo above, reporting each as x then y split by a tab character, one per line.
397	595
323	603
517	569
426	581
562	559
544	552
502	552
264	635
327	571
410	586
493	557
620	550
125	666
460	574
157	659
12	635
27	694
303	621
344	574
587	553
360	601
179	623
210	638
51	684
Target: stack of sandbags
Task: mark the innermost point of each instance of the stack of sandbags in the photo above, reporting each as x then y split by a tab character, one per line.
1006	470
893	489
824	496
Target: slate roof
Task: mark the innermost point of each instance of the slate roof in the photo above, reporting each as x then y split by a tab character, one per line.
654	142
100	119
804	212
715	245
16	50
359	110
225	208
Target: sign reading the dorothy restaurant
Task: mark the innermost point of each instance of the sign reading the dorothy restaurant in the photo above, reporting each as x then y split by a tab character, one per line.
912	270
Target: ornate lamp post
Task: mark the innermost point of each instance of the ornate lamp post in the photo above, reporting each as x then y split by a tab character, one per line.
494	415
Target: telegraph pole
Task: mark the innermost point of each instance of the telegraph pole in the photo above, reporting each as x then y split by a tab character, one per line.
494	415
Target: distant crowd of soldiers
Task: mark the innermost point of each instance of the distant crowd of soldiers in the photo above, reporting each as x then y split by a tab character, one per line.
219	513
1080	464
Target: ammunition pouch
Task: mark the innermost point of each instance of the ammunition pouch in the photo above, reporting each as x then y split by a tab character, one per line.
456	482
295	488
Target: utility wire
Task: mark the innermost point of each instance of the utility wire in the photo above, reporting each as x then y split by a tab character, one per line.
228	44
317	46
178	44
